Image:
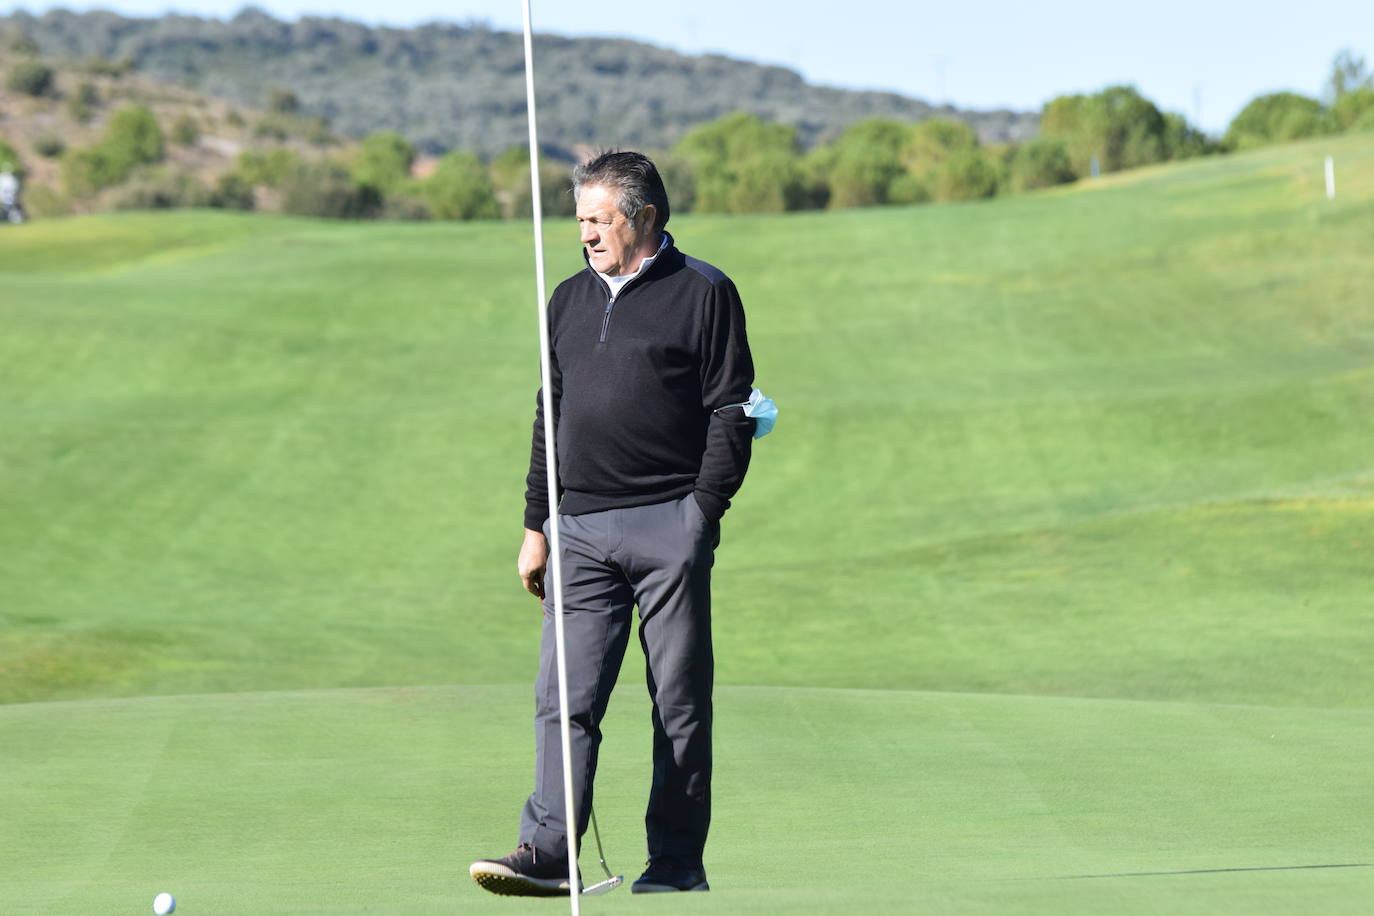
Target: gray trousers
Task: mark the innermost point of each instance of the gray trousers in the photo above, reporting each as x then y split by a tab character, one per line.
659	558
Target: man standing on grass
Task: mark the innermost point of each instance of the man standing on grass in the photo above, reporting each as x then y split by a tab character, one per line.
650	372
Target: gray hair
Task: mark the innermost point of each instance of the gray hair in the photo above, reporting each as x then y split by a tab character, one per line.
632	176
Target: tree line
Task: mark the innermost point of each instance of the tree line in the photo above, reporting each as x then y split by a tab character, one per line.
739	163
1281	117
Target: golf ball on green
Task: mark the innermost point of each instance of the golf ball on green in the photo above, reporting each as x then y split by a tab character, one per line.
164	904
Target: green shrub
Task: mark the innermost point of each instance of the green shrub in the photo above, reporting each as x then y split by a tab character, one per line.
316	132
272	127
1351	107
770	182
85	170
9	157
1040	163
866	160
1118	127
31	77
383	161
1275	118
265	167
134	138
816	167
49	146
78	110
908	189
966	175
1182	140
555	191
405	206
42	201
509	173
99	66
863	177
460	189
677	176
510	181
231	192
325	189
934	140
185	131
282	101
81	104
740	164
160	190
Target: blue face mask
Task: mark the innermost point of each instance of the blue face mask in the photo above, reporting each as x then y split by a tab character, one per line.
762	409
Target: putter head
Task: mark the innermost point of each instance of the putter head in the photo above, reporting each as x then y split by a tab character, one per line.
603	887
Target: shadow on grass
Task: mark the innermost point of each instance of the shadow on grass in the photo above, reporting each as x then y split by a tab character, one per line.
1209	871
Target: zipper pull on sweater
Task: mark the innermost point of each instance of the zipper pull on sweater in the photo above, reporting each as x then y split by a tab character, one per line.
606	320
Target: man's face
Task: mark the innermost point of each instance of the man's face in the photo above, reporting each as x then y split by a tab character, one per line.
615	245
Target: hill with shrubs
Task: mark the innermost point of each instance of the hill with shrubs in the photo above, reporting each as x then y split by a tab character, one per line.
101	135
448	86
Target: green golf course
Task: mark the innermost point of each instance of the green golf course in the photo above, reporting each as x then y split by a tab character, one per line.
1052	592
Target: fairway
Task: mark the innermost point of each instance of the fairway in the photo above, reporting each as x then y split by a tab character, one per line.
1051	592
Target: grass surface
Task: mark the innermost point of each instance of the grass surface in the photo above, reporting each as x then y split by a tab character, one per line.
1056	568
373	800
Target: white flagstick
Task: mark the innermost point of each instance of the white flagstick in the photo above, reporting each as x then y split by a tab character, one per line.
551	465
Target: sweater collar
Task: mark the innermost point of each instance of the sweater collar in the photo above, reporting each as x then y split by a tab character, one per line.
616	285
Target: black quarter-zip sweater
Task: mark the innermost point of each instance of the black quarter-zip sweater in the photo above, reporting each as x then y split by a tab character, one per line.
638	384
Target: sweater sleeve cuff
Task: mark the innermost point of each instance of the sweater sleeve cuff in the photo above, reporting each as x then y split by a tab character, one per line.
712	506
535	518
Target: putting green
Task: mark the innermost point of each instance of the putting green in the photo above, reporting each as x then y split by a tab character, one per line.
374	800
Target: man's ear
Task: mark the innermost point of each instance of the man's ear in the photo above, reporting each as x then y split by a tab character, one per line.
646	216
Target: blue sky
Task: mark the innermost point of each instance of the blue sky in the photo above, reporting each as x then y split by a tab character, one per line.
1202	59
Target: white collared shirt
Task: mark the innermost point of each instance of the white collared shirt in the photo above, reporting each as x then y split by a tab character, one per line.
615	283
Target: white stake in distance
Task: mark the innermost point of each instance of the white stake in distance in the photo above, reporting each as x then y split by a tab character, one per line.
1330	178
551	466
